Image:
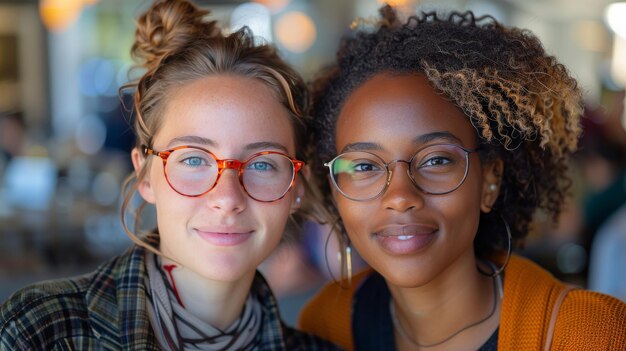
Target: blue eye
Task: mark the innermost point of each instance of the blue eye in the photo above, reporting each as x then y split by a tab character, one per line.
260	166
194	161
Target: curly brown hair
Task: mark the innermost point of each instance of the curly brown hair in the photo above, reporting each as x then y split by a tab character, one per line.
176	45
523	103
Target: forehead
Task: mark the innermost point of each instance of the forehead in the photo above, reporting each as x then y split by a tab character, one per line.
229	110
399	108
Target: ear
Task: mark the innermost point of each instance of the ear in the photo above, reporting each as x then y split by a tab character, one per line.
144	186
299	189
492	179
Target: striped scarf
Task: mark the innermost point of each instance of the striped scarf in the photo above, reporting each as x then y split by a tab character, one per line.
177	329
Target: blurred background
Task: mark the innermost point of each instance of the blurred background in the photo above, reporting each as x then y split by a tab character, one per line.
65	135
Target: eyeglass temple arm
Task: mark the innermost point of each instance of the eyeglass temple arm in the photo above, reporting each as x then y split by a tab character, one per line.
148	151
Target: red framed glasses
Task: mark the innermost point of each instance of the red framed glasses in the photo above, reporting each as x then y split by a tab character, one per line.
192	171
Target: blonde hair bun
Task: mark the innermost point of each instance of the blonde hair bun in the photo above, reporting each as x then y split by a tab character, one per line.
167	27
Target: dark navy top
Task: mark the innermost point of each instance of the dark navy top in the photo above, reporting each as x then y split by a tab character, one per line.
371	318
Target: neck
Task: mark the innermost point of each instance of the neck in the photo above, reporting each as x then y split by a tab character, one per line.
217	303
454	311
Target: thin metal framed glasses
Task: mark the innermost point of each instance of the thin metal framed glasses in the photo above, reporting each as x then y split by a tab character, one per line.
192	171
435	169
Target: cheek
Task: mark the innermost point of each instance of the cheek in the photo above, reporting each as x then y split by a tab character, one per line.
173	215
273	216
356	216
457	213
172	208
460	210
167	199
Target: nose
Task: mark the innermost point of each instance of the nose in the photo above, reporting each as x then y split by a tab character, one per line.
227	195
401	194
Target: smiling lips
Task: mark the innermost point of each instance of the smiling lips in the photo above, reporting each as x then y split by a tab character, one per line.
405	239
224	237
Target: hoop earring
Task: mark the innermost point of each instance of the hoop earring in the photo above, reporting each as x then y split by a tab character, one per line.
346	261
498	271
344	256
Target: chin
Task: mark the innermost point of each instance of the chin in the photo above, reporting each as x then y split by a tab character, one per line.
407	283
222	275
405	277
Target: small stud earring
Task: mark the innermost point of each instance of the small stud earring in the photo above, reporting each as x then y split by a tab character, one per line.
298	200
493	187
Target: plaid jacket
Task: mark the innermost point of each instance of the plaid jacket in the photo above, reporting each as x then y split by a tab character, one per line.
106	310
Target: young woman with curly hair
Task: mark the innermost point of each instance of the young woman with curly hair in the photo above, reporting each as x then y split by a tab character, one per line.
220	126
440	138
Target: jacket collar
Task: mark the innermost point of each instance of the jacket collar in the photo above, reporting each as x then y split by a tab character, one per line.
273	330
116	301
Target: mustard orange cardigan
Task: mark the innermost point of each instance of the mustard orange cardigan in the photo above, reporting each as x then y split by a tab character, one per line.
586	320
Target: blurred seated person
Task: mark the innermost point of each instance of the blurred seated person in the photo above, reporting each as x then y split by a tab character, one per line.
608	262
602	160
12	135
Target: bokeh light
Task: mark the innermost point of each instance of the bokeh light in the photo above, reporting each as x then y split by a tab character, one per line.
616	18
105	189
395	3
296	31
57	15
90	134
97	77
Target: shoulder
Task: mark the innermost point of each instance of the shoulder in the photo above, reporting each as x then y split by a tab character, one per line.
588	319
43	294
328	313
584	319
40	311
585	302
39	315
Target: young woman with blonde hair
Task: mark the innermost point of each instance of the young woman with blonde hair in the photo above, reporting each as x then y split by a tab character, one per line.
220	126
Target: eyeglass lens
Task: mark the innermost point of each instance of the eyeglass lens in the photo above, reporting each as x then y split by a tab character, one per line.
265	177
435	169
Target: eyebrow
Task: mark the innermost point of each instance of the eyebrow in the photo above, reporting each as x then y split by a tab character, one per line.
198	140
420	140
444	136
264	145
191	139
362	146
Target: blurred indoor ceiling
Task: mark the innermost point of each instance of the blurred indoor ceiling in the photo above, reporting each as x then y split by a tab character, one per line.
562	9
202	2
555	9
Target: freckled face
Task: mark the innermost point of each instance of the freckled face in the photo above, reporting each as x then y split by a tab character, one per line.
408	236
224	234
